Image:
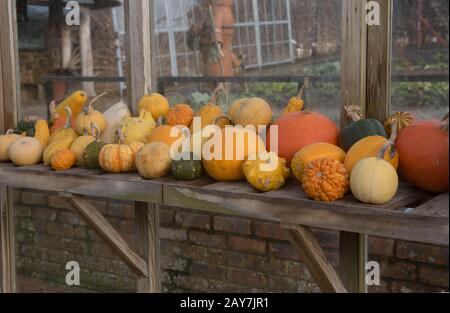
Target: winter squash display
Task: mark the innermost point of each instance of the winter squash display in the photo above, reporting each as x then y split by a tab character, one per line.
60	121
5	141
297	130
228	167
156	104
62	143
253	112
325	180
42	132
162	133
137	129
89	116
114	116
424	154
153	161
374	180
369	147
63	160
64	131
262	177
187	169
313	152
181	114
75	102
401	119
120	157
359	128
79	145
296	104
25	151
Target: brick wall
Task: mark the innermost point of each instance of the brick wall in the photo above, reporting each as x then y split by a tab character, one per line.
200	252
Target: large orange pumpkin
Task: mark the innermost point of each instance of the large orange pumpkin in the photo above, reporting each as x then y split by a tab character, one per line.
423	149
297	130
232	169
162	134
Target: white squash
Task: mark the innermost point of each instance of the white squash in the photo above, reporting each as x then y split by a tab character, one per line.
5	141
114	117
26	151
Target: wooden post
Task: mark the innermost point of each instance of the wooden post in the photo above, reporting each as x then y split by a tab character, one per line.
140	49
9	99
147	240
87	59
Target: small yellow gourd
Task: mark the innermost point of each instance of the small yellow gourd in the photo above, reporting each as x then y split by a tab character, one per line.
138	129
374	180
296	104
65	131
5	141
263	175
156	104
42	132
89	116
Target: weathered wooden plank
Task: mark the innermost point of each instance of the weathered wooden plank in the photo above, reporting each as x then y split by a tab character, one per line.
110	187
311	254
379	46
353	54
147	238
140	49
7	242
353	257
437	206
104	229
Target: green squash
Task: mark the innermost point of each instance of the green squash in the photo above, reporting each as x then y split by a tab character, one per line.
359	128
24	126
187	169
91	154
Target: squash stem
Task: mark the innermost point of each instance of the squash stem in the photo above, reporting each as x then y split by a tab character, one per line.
217	92
120	136
68	117
95	132
90	107
304	87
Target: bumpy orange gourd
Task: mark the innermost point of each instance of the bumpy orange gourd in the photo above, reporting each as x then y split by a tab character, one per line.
63	160
424	154
401	119
156	104
325	180
366	148
313	152
75	102
120	158
296	104
89	116
229	167
181	114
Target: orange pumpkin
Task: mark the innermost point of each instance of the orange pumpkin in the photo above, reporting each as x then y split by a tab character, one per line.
229	165
297	130
325	180
162	134
423	149
63	160
181	114
211	112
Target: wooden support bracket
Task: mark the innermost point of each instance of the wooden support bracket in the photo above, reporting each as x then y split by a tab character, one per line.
312	255
107	232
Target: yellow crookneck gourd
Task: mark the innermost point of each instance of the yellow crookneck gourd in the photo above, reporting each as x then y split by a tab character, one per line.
89	116
75	102
296	104
138	129
42	133
66	131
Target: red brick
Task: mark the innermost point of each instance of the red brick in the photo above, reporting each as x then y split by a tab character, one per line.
193	220
207	270
22	210
173	234
80	232
232	225
45	214
33	198
52	229
269	230
422	253
409	287
208	240
284	284
67	230
247	245
120	209
327	239
399	271
247	278
59	203
289	268
384	287
434	276
166	216
283	251
174	263
381	247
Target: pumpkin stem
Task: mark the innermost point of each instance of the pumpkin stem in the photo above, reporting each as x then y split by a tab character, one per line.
394	130
89	108
53	113
387	145
95	131
217	92
354	112
68	117
445	122
304	87
149	90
